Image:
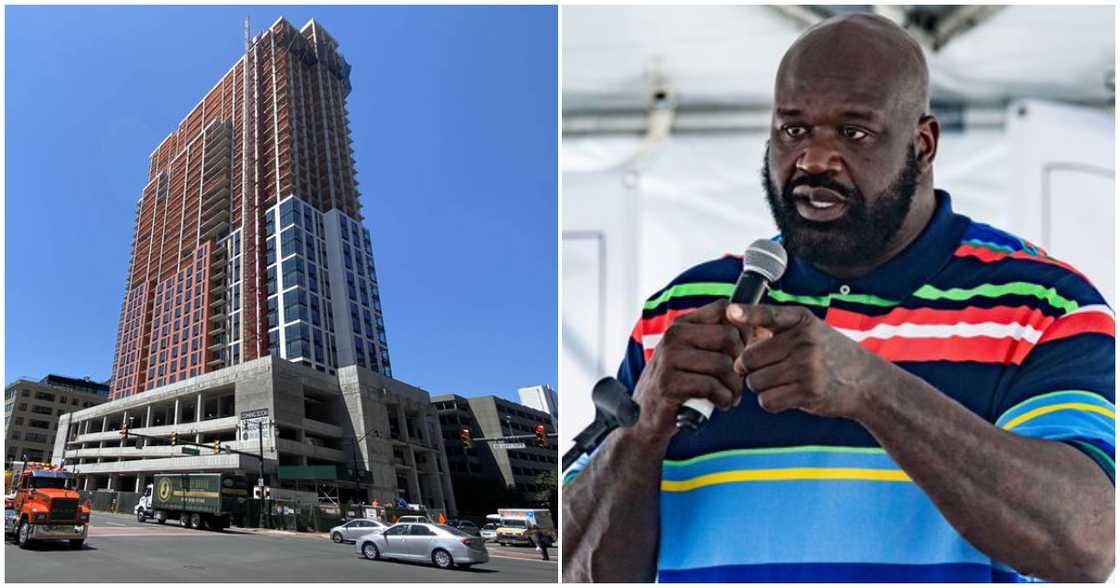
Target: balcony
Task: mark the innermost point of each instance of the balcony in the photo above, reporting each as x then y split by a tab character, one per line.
321	428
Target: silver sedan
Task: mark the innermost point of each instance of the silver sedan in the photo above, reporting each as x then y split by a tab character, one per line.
442	545
349	532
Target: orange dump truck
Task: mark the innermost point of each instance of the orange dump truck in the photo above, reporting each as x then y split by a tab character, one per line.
47	506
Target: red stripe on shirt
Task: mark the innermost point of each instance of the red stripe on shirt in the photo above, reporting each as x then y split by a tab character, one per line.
972	349
1080	324
846	319
660	323
988	256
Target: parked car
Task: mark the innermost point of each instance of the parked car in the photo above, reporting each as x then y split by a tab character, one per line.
442	545
415	519
489	532
349	532
467	527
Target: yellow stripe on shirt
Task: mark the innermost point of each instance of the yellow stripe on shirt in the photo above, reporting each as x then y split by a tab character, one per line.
784	474
1030	415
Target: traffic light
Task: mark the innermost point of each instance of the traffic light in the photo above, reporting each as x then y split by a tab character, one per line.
124	433
217	447
174	439
542	439
465	437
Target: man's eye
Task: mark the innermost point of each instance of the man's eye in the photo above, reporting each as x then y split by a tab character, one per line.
794	130
853	133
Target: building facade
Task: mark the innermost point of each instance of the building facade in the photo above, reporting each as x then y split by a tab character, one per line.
481	469
32	411
251	330
248	235
386	428
542	398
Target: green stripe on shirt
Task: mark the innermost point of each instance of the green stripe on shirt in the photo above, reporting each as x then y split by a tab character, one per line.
695	289
1050	295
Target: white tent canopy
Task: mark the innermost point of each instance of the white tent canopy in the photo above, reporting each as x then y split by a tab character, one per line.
728	55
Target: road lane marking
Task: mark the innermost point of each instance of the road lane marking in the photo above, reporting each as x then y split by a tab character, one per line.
552	561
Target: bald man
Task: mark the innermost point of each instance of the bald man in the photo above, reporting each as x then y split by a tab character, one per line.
920	397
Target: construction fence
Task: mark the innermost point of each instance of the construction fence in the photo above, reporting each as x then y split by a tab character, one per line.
281	514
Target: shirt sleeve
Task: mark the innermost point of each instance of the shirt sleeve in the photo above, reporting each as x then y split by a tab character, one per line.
1065	389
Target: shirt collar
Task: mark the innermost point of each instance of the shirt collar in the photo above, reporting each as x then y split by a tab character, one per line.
899	276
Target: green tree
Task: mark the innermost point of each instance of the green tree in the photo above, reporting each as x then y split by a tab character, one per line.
548	495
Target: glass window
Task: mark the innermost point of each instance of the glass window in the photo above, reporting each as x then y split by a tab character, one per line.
291	242
315	310
272	316
293	272
288	213
312	279
273	340
297	340
359	355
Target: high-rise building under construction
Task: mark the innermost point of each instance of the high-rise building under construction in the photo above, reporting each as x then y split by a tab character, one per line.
248	235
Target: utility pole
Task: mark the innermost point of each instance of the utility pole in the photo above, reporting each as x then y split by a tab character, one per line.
354	457
260	478
357	480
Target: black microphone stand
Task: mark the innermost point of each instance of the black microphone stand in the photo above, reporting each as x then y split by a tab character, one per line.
613	409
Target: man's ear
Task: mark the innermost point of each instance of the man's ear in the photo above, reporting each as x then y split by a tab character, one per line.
926	137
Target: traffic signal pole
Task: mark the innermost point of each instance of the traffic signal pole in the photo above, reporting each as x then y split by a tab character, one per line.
125	434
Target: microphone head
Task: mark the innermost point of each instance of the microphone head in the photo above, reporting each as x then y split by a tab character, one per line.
613	400
767	258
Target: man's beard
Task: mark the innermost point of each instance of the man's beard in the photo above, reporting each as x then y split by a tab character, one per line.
862	235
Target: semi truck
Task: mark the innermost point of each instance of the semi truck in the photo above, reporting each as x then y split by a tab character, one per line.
46	506
198	501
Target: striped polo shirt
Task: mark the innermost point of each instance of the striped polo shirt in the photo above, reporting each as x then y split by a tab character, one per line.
1019	338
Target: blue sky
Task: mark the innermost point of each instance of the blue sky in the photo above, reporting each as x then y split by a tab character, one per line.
453	114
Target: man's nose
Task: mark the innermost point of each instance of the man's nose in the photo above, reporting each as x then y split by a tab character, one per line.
819	157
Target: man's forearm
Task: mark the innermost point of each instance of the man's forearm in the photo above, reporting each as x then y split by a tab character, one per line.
611	512
1039	506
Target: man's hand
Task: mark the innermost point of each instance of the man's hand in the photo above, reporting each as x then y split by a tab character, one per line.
806	364
695	359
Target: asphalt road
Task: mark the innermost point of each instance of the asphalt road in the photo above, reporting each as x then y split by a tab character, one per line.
121	550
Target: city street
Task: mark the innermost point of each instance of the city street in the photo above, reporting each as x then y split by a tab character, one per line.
121	550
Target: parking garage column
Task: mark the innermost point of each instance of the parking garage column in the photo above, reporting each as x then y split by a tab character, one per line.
148	417
175	417
198	415
124	423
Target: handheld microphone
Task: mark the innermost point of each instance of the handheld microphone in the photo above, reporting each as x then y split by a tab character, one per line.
763	263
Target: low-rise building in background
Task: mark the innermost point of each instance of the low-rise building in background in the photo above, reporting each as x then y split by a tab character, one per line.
487	476
32	410
542	398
